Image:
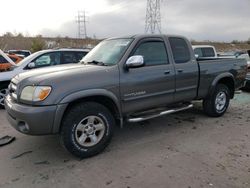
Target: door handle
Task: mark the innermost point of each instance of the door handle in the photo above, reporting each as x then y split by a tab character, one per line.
167	72
180	70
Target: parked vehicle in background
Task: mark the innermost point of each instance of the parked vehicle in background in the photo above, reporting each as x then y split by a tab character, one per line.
226	55
204	51
39	59
7	60
122	79
15	58
209	52
24	53
247	57
238	53
247	86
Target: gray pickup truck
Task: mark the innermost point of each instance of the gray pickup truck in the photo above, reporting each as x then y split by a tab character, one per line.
130	79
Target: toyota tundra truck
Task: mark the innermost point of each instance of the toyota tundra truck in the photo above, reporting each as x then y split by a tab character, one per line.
128	79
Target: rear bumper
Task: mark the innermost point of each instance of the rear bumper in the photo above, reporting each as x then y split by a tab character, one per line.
32	120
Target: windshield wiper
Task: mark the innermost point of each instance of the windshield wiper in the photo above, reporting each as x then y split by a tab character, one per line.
94	62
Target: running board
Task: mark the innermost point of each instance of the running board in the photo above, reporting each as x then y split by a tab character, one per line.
162	113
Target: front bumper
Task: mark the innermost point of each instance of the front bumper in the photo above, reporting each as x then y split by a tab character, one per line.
32	120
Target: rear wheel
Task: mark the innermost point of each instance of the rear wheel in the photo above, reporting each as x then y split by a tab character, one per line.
87	129
216	105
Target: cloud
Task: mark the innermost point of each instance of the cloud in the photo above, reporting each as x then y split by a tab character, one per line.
223	20
212	20
68	28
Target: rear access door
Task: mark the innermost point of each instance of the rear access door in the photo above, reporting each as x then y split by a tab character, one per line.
186	69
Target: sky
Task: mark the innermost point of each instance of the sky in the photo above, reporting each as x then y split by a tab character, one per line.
216	20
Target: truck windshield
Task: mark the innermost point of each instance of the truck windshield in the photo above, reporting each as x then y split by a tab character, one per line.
108	52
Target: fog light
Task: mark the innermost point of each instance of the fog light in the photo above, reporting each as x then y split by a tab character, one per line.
23	127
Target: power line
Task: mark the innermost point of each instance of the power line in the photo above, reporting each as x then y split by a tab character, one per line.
81	24
153	17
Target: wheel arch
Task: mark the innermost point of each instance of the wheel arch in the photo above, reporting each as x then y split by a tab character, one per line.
104	97
226	79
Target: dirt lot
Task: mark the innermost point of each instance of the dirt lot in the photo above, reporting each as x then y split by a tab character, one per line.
182	150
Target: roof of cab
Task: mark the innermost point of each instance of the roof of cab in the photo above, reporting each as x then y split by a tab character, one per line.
145	36
65	49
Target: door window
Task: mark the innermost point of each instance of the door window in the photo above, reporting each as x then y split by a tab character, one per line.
198	52
208	52
205	52
180	50
153	52
69	57
79	56
47	59
3	60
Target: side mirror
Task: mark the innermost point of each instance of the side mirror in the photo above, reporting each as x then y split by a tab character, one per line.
135	61
31	65
196	56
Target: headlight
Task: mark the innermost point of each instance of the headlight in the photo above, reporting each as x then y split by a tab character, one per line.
35	93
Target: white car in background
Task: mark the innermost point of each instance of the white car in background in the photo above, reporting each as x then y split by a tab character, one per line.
24	53
36	60
245	56
205	51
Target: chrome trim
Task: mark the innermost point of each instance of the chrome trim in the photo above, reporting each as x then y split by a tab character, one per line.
13	90
148	95
139	119
14	87
14	96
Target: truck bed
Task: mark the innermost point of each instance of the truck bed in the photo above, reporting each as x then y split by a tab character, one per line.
211	68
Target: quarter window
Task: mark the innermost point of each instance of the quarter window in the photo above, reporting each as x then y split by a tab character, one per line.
180	50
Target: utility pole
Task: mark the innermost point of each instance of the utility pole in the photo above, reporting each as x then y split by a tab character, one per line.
153	17
81	24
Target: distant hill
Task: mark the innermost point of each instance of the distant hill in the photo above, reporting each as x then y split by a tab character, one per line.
8	42
39	42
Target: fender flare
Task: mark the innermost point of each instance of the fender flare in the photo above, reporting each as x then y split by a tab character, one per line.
217	79
89	93
63	104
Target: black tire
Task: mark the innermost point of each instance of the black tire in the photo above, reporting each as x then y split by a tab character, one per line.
3	87
72	120
209	104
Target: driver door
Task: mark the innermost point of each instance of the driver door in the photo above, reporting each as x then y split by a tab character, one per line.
152	85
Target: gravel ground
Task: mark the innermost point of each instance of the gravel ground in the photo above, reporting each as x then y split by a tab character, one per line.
183	150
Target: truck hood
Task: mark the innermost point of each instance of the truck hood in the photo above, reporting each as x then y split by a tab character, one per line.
67	79
41	74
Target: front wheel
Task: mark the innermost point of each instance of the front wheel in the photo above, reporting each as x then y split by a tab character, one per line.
216	105
87	129
3	93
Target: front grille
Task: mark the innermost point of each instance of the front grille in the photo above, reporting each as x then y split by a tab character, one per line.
13	91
